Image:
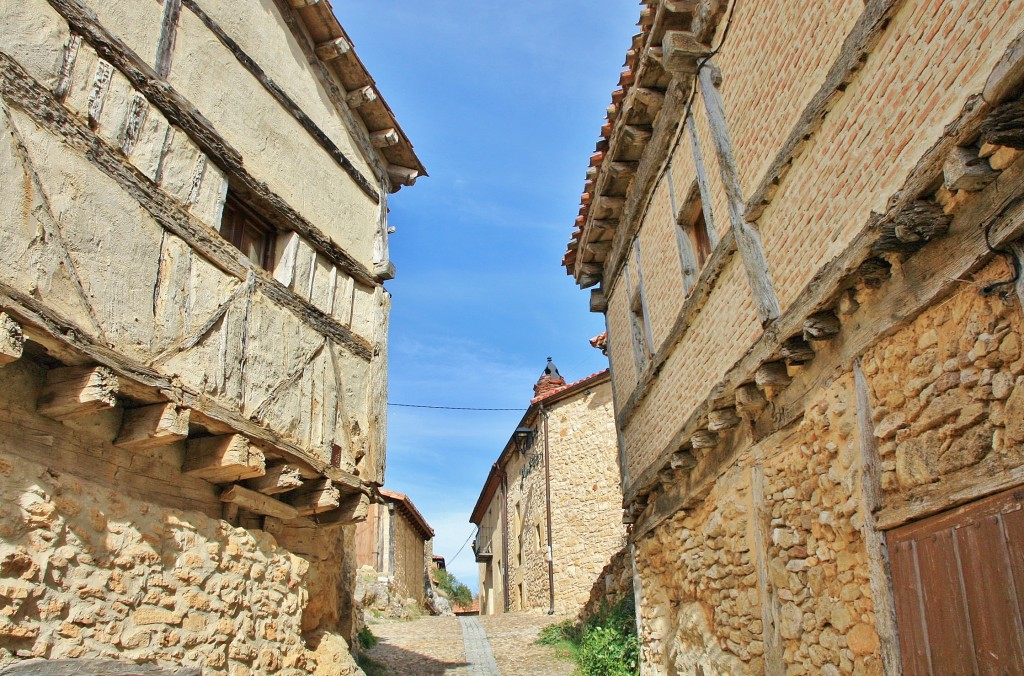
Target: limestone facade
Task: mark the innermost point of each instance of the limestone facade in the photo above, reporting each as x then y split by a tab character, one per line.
193	330
571	426
396	541
804	232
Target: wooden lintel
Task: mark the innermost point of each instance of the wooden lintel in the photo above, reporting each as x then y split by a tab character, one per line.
153	426
385	138
12	339
280	478
75	391
316	496
333	49
681	51
361	96
258	503
223	459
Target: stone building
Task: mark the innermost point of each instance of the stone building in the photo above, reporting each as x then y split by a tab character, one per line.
804	232
193	330
396	541
548	514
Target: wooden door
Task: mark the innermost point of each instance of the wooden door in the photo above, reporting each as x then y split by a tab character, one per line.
958	582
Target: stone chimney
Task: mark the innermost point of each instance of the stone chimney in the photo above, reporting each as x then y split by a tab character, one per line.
549	381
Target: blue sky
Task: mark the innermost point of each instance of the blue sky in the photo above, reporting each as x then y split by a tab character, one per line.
504	103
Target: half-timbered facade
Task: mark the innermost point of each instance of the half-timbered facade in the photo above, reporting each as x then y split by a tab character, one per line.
193	227
803	227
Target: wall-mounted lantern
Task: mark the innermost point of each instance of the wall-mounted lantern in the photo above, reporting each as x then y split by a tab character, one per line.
523	437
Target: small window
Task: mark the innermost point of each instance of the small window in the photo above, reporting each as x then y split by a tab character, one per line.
253	236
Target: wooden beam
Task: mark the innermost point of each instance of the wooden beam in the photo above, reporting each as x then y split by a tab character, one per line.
760	516
704	439
258	503
722	419
964	170
402	175
1007	75
748	239
12	339
796	351
750	401
333	49
874	540
683	460
680	52
75	391
153	426
316	496
821	326
223	459
352	509
598	301
280	478
772	374
299	4
360	97
703	185
1004	126
385	138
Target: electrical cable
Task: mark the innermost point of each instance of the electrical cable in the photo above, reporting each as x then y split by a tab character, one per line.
1011	256
452	560
454	408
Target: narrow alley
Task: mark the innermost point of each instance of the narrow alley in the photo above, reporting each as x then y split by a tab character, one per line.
480	646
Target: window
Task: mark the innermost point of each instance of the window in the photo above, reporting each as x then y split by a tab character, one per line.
253	236
695	240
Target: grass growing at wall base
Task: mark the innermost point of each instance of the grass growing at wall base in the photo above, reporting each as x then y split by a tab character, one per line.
604	645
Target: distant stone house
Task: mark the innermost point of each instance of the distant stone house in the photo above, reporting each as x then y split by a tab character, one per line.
548	515
804	230
193	327
396	541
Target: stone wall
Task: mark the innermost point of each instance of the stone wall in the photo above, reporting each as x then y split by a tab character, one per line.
699	596
585	496
586	502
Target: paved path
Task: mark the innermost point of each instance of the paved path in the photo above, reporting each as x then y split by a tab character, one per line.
478	650
500	645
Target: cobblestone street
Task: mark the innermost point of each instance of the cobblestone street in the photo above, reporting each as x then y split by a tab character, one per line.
477	646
